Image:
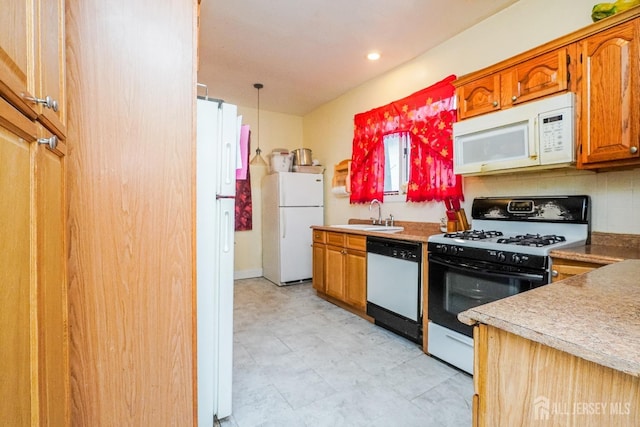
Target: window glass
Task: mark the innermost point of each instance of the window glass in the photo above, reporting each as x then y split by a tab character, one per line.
396	162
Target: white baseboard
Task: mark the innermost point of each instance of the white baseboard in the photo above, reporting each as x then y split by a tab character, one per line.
247	274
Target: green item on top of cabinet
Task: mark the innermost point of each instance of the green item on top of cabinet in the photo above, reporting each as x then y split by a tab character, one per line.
602	10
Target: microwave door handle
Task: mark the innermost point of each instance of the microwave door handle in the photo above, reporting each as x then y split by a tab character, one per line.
461	265
533	143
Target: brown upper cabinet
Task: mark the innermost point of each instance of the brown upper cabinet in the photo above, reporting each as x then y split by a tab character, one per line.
32	60
540	76
600	63
609	124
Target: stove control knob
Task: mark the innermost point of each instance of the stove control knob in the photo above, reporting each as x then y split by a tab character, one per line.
501	257
454	250
516	258
444	249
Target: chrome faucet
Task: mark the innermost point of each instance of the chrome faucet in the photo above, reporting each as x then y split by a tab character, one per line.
379	220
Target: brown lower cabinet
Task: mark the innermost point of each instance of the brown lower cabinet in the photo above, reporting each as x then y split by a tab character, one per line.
340	267
519	382
563	268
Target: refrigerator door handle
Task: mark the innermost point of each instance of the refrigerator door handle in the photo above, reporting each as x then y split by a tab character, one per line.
283	223
227	226
229	177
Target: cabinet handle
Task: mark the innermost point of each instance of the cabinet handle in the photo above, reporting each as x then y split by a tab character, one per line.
51	142
633	150
514	98
47	101
495	103
554	273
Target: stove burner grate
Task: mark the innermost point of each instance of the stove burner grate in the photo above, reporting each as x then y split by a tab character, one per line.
532	240
473	234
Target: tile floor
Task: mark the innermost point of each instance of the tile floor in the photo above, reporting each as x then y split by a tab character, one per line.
301	361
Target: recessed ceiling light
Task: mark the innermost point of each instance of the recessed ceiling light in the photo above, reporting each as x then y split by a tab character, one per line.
373	56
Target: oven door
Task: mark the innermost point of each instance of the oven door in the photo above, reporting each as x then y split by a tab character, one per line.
458	284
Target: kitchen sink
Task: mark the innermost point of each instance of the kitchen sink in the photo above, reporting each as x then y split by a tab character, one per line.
369	227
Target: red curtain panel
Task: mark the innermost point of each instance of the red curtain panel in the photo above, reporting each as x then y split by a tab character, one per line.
428	116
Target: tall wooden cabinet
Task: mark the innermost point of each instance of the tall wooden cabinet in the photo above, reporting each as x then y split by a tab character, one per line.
35	384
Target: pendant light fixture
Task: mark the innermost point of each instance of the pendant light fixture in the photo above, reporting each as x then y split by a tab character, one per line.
257	159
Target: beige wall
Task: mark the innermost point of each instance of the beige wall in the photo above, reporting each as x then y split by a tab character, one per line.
328	131
276	131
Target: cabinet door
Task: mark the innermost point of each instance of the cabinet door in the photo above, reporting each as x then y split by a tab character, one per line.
479	97
356	279
53	359
32	59
334	271
541	76
15	276
17	54
609	110
562	268
319	251
51	63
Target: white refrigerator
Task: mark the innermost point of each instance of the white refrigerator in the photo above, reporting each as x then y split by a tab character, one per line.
291	203
216	144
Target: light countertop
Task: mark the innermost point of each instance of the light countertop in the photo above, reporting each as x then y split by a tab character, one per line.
597	254
413	231
595	316
605	248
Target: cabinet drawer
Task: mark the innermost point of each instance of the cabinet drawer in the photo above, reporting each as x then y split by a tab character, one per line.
319	236
356	242
336	239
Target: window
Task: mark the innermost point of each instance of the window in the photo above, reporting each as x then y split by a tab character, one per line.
397	148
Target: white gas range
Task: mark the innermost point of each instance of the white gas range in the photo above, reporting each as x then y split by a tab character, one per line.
505	253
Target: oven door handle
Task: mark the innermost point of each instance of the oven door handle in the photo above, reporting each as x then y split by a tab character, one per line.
464	265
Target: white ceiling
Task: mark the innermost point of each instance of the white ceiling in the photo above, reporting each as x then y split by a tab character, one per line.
308	52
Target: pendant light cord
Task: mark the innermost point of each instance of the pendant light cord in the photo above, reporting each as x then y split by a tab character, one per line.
257	159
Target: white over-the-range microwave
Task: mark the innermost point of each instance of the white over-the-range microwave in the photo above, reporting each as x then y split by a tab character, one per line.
535	135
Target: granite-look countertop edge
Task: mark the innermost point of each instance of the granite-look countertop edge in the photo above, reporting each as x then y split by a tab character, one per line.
584	257
472	317
596	254
605	248
408	234
595	316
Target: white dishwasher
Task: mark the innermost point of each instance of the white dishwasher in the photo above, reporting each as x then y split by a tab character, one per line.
394	285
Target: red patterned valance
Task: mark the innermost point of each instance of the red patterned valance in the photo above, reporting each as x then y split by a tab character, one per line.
427	116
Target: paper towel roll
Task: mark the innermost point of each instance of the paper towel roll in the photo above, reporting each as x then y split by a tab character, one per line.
340	191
